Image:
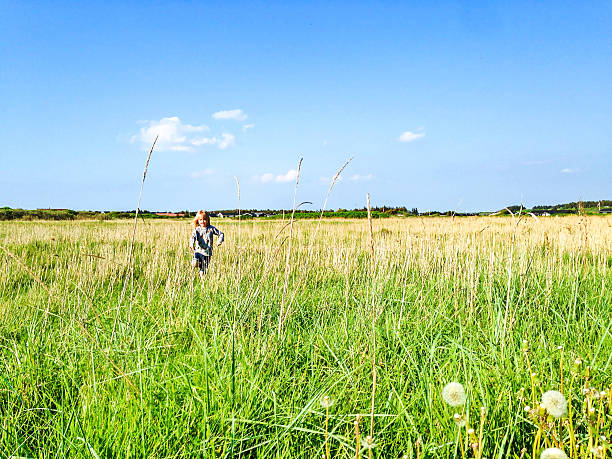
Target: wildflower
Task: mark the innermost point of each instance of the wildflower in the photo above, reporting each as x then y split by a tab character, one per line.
368	442
597	451
527	409
326	402
459	419
553	453
470	431
454	394
555	403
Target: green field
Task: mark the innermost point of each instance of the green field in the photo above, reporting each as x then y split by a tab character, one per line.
100	360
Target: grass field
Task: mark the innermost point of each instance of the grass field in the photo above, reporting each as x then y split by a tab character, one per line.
300	333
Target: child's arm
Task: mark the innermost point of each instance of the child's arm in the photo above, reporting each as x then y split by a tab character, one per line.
220	234
192	240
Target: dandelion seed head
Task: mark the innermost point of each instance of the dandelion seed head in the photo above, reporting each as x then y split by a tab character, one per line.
454	394
459	419
326	402
368	442
553	453
555	403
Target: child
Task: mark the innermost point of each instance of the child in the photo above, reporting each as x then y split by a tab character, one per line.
201	241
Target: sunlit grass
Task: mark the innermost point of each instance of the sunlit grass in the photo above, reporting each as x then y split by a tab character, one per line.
194	370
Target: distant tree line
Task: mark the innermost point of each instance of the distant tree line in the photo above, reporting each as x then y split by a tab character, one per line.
580	207
7	213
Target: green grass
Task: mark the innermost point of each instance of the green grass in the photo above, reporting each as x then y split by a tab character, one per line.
182	370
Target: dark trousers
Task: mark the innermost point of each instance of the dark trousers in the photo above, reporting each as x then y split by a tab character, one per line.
203	261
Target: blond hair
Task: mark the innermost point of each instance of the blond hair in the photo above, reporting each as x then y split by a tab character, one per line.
201	214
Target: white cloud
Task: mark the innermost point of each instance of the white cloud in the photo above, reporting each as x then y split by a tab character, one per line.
198	142
177	136
226	140
567	170
236	114
409	136
173	134
327	180
267	177
288	177
203	173
270	177
247	126
357	177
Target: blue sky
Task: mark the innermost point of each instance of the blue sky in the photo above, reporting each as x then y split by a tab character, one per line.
443	105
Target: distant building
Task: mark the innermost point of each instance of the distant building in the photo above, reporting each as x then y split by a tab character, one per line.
169	214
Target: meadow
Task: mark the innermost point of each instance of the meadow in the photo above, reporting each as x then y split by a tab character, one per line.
328	339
